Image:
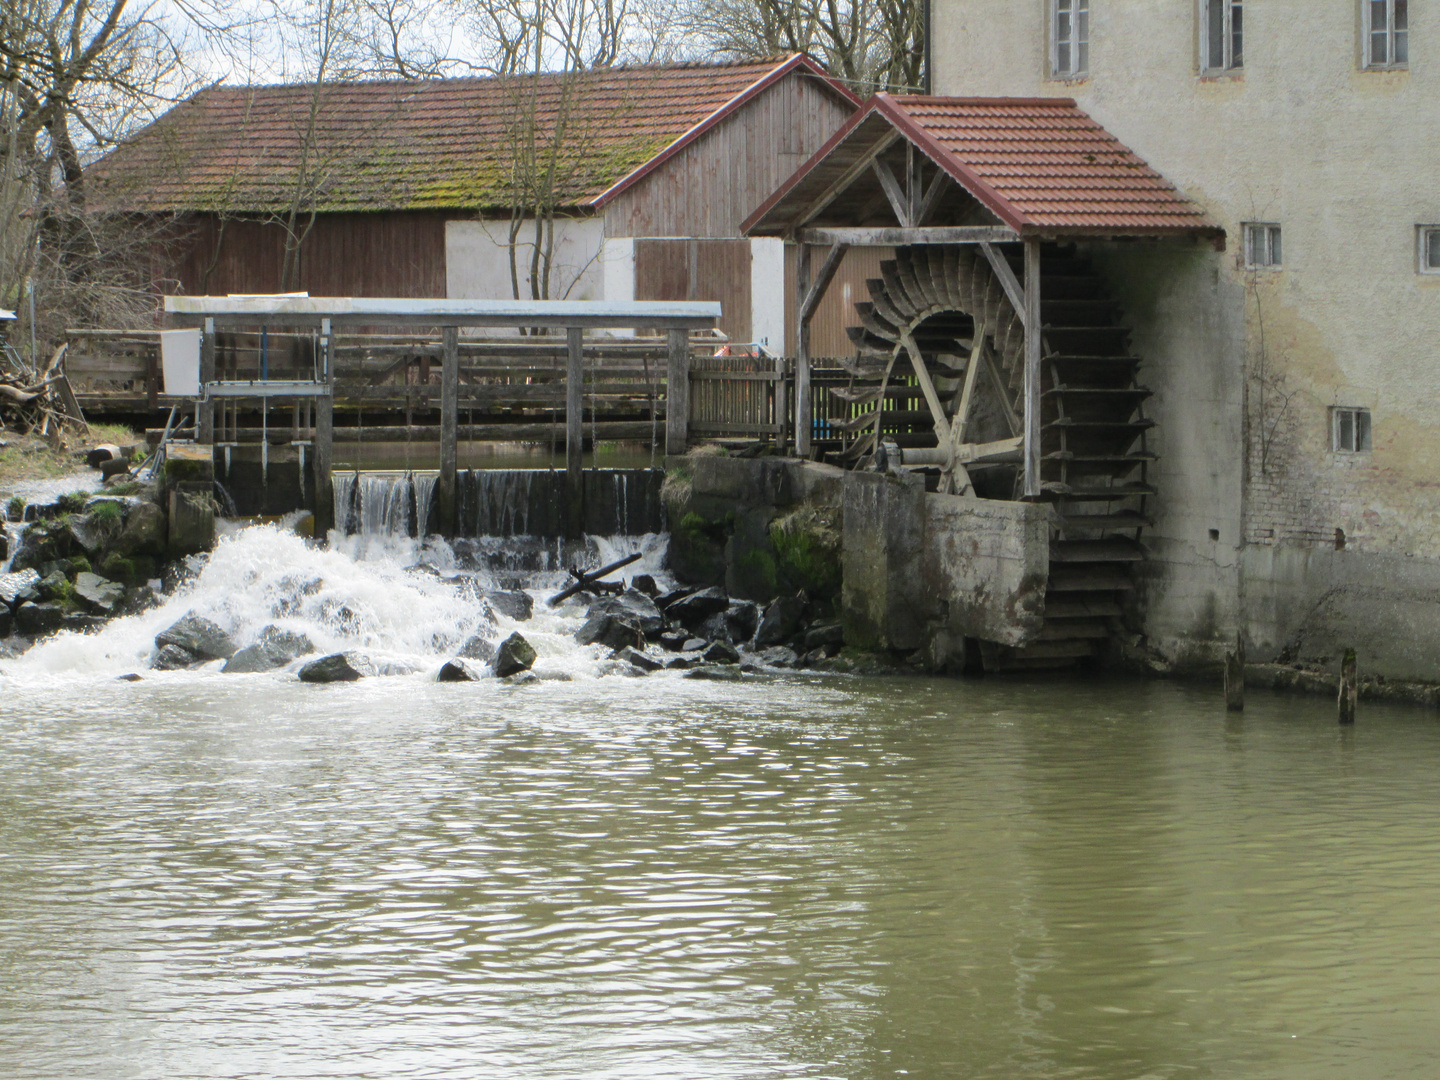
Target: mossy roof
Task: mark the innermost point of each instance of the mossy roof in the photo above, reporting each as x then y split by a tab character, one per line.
419	145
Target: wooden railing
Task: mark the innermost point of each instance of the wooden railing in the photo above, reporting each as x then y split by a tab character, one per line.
738	391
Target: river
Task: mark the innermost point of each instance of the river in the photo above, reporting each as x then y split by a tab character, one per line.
206	875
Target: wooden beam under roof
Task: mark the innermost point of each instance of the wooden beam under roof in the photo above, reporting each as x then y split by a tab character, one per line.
886	237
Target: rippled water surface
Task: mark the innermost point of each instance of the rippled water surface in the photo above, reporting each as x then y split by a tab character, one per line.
789	877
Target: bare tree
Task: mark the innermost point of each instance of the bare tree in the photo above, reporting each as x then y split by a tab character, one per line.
869	44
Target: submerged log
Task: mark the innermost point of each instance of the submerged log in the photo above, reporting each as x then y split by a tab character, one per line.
589	579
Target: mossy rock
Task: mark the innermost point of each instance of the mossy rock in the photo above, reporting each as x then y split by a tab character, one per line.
808	550
188	470
697	549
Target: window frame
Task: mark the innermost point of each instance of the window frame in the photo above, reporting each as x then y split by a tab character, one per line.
1368	31
1228	65
1078	38
1274	244
1423	233
1362	429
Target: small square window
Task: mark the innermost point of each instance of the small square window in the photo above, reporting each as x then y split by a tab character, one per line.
1428	255
1262	246
1350	430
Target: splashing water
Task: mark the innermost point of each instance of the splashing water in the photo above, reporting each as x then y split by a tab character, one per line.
403	604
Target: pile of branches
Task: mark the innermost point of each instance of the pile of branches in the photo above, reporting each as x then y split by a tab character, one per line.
38	402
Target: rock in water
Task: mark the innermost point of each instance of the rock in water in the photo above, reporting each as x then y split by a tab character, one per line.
513	603
18	587
199	636
513	656
780	621
742	618
615	631
286	643
456	671
634	656
720	652
823	635
476	648
697	607
143	532
173	658
674	640
777	656
97	593
645	583
36	619
632	605
337	667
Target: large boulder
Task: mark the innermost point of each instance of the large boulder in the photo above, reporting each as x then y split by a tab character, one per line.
7	622
514	655
777	656
614	631
288	643
781	621
173	658
634	605
823	635
512	603
97	594
337	667
721	652
276	648
742	619
694	609
476	647
143	532
639	659
36	619
199	636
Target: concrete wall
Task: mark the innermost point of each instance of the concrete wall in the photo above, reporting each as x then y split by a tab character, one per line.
1248	364
926	571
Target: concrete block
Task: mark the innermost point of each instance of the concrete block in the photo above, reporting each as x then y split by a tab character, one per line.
192	520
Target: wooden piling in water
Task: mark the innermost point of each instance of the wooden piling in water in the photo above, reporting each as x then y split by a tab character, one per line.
1349	687
574	431
449	414
1235	678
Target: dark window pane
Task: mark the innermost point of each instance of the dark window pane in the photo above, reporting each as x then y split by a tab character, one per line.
1432	249
1237	47
1274	259
1402	47
1215	35
1345	435
1362	429
1402	15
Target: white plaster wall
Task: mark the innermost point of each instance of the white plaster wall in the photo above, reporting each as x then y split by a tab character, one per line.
477	260
1345	161
617	273
767	292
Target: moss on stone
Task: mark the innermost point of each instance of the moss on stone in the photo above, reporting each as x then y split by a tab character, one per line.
119	568
807	545
73	502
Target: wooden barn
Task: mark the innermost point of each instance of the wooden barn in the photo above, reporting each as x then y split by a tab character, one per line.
412	189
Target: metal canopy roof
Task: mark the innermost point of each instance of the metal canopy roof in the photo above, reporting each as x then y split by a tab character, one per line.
310	311
1038	166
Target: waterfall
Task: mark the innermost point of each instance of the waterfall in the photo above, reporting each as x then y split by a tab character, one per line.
344	486
424	492
385	504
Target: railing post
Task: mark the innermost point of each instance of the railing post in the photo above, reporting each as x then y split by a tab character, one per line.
205	407
1032	367
574	426
677	393
449	410
782	403
324	435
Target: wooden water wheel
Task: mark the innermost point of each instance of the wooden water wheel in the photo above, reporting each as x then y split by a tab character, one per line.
939	377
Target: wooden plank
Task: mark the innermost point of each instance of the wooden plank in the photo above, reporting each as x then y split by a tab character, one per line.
574	432
893	192
1006	276
324	441
1032	368
803	420
930	234
844	180
822	281
677	393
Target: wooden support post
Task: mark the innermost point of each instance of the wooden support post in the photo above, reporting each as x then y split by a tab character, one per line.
677	393
324	437
1032	367
802	354
782	406
1235	677
574	431
1349	687
449	409
205	409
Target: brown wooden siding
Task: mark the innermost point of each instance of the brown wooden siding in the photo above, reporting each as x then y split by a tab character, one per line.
713	185
379	254
836	311
698	270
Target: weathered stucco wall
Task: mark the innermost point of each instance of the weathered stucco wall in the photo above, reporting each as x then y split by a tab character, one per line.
1247	364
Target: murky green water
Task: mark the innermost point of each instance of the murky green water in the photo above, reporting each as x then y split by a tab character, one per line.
672	878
